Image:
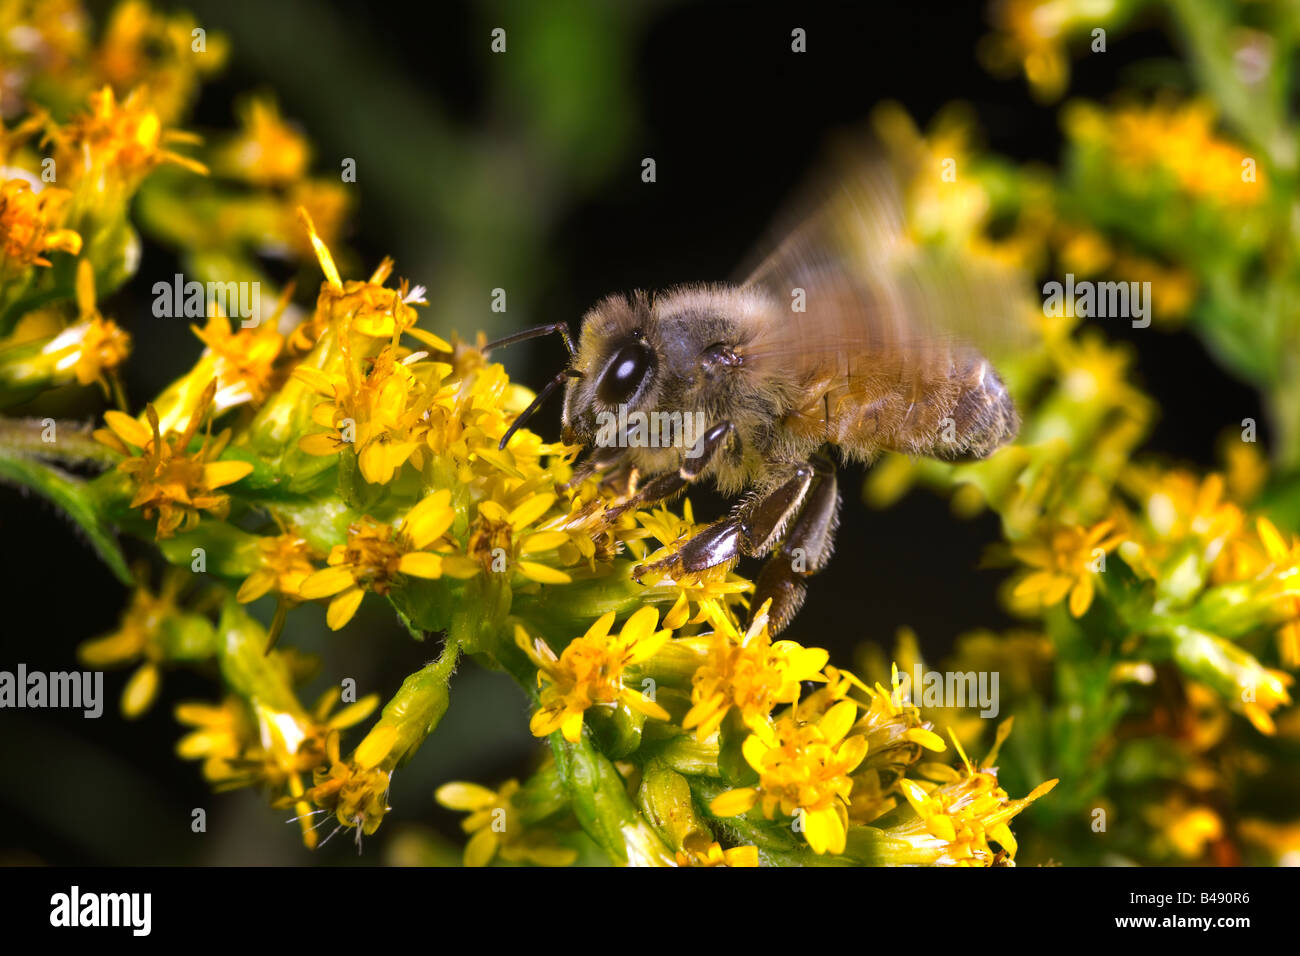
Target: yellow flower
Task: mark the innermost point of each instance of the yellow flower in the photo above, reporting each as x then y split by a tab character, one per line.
141	47
267	152
956	819
589	672
28	226
222	734
243	360
1065	559
286	563
92	348
247	744
715	855
749	673
896	739
115	145
375	554
500	540
497	829
171	482
355	790
1187	829
1176	139
1285	561
1030	36
381	416
368	308
803	768
141	633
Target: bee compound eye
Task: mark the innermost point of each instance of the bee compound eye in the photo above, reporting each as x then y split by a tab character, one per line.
625	373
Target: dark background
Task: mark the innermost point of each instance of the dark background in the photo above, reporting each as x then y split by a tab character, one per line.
542	196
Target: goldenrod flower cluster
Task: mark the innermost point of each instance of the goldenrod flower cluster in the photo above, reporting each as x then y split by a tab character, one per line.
344	449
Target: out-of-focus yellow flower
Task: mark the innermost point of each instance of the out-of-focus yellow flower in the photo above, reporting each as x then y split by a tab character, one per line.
1245	468
115	145
1064	562
1280	840
247	744
715	855
286	561
171	482
589	672
375	554
141	633
1173	138
748	672
803	769
1188	829
1285	559
28	226
268	151
220	736
160	51
496	828
1031	37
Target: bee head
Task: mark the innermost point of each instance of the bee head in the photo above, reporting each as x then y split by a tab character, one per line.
616	366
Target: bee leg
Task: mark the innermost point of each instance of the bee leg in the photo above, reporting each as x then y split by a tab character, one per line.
751	530
804	552
598	462
666	485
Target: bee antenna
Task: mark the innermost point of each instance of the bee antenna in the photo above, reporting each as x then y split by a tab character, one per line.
533	333
536	403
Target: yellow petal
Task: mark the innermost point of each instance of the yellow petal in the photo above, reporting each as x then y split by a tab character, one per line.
343	607
429	519
255	585
734	802
464	796
218	473
754	751
543	574
376	746
531	510
1081	596
140	690
325	582
480	849
639	626
837	721
320	444
824	831
421	564
543	541
128	429
638	701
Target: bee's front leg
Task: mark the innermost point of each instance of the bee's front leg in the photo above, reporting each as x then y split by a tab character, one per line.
666	485
752	529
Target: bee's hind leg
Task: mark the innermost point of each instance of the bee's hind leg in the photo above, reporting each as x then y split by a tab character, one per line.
806	549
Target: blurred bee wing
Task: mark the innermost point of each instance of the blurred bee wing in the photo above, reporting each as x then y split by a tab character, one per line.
868	286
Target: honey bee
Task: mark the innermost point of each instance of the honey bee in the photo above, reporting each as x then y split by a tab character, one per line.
848	339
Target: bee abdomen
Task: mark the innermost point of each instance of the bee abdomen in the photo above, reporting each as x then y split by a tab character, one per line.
981	421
